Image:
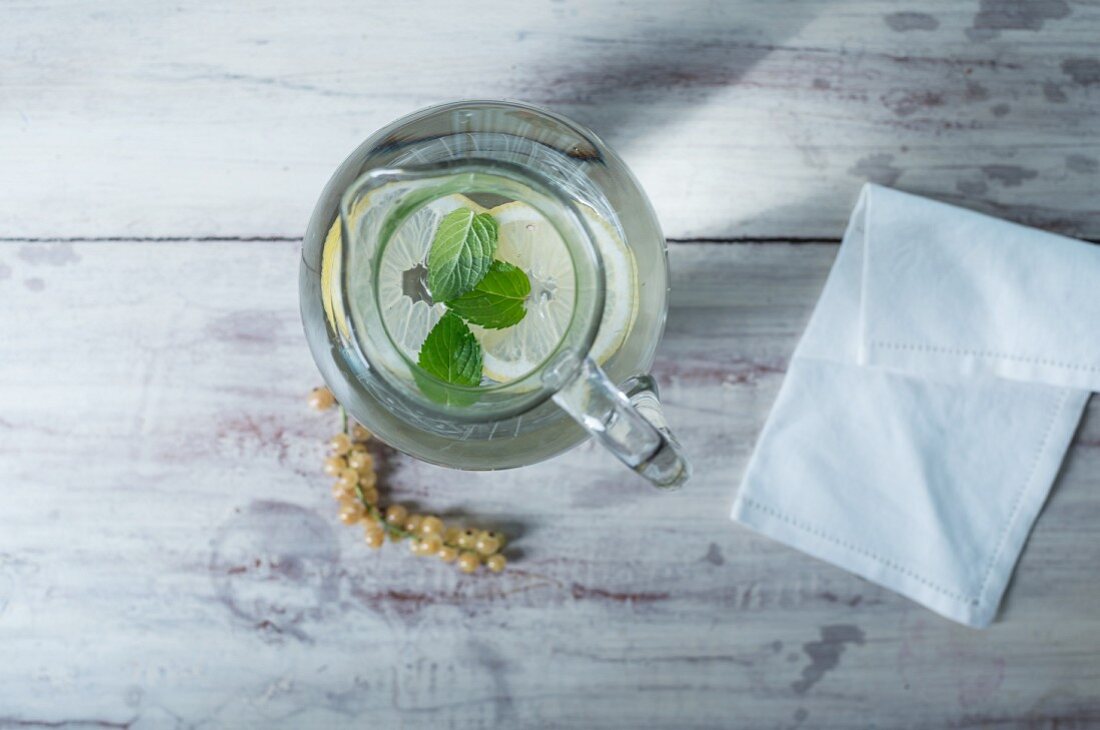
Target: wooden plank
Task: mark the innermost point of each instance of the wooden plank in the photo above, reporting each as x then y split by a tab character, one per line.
741	119
169	552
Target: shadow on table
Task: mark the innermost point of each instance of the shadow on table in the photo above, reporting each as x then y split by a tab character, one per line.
662	65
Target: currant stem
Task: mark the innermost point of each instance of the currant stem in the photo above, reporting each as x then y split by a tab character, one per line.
375	513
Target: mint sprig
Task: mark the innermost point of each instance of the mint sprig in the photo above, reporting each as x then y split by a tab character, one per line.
475	289
451	352
461	253
498	300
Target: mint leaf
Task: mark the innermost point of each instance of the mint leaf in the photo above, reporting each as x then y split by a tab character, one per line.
461	253
498	299
451	352
446	395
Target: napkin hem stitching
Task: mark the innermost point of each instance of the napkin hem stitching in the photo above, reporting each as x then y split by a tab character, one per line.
1001	540
983	353
749	501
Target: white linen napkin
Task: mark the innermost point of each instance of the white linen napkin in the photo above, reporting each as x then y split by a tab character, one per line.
927	409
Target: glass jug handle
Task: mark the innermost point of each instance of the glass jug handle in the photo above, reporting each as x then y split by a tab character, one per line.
631	424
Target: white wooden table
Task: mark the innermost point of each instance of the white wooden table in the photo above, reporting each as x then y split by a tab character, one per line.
169	556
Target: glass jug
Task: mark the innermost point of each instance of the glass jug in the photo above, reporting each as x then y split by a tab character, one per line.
598	279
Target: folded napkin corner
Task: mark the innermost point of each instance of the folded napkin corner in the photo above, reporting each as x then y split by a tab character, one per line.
929	404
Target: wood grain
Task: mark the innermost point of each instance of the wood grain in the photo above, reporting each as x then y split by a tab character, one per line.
169	555
746	119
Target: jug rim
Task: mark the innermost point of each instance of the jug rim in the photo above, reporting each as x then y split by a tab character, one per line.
428	182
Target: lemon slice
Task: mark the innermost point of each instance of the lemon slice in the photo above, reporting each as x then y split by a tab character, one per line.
330	254
527	240
621	286
406	306
408	318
